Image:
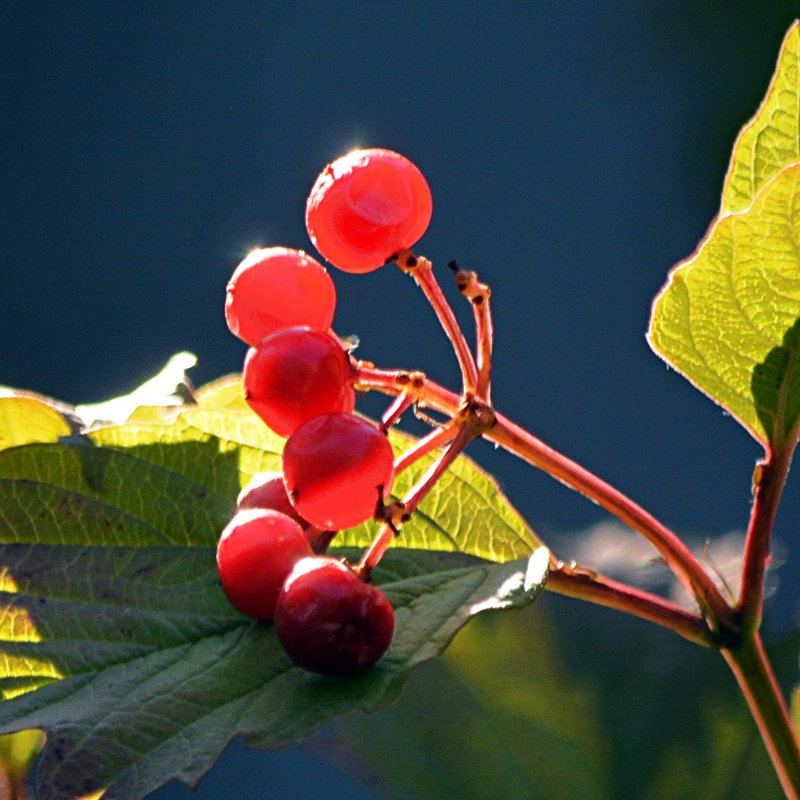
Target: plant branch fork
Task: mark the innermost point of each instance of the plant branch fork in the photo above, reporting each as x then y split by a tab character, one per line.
719	623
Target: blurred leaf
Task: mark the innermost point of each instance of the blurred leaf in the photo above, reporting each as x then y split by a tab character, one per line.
771	140
168	388
17	754
118	640
728	318
558	702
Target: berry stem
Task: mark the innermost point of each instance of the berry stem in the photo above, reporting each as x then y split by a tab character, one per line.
367	376
421	270
398	407
464	435
319	538
374	553
436	438
399	513
479	295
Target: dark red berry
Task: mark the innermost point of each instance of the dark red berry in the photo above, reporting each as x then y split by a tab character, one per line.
256	551
328	620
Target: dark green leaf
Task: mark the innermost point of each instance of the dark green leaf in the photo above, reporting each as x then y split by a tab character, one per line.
118	641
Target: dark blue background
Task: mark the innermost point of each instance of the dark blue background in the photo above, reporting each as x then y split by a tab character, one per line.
575	152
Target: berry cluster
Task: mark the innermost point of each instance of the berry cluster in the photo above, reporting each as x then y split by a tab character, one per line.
337	468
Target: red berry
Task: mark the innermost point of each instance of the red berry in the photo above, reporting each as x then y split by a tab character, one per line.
366	206
256	551
266	490
295	375
274	288
336	468
328	620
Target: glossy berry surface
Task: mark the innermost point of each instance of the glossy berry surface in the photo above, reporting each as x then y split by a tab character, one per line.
274	288
365	206
328	620
267	491
336	467
295	375
257	550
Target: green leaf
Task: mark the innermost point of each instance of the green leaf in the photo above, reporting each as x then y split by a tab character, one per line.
118	641
770	142
146	673
728	318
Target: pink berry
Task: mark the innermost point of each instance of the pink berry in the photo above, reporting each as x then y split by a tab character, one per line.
277	287
365	206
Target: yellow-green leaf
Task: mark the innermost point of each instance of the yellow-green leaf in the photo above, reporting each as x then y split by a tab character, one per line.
26	418
225	392
728	318
771	140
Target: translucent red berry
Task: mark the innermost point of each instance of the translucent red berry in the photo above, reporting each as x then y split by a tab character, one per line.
257	550
295	375
337	467
274	288
366	206
267	491
328	620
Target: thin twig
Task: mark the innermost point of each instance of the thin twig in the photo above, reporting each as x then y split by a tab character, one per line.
587	585
399	513
436	438
526	446
421	270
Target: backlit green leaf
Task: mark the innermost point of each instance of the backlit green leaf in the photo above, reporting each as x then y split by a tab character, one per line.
729	316
771	140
